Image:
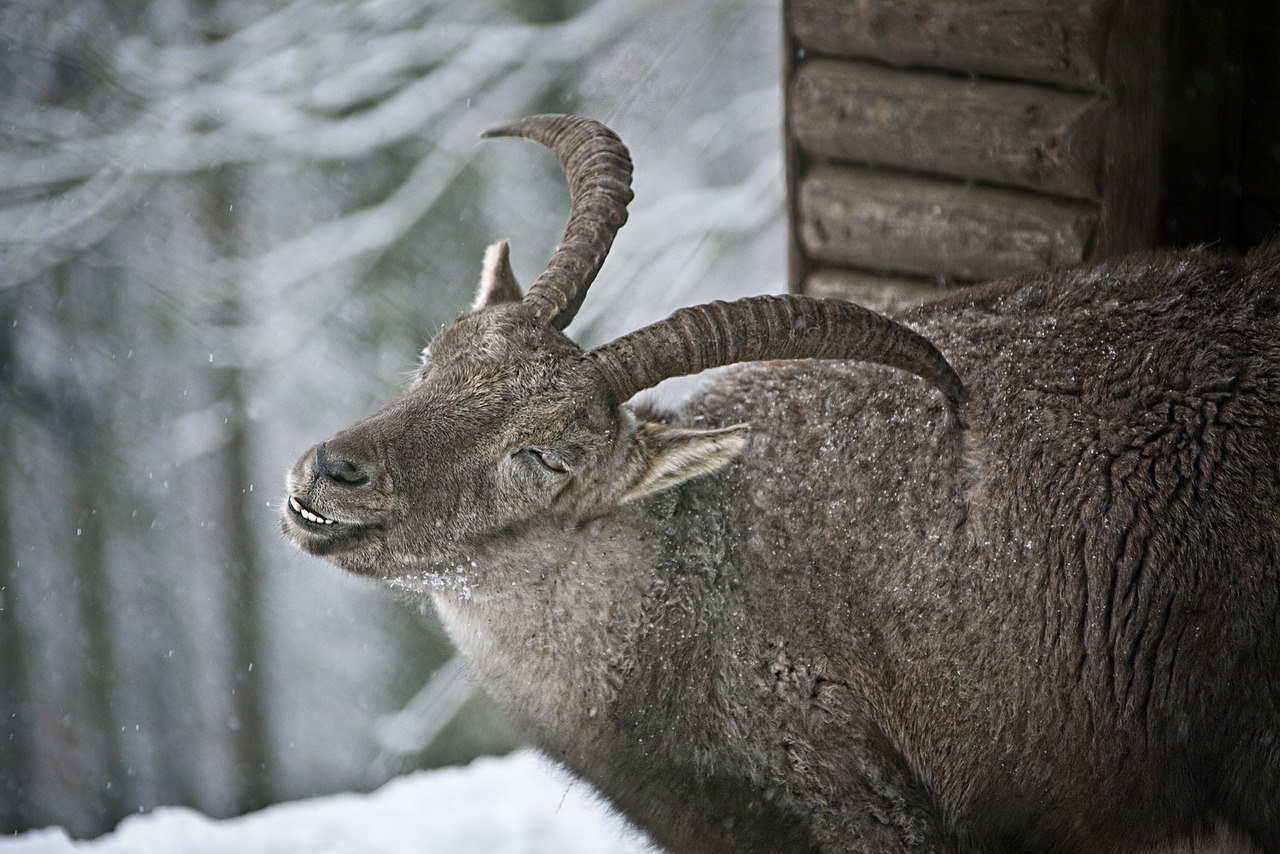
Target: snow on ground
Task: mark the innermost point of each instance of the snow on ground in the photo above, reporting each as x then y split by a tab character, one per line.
519	804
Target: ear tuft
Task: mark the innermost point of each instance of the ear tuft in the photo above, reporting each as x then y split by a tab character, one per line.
672	455
497	280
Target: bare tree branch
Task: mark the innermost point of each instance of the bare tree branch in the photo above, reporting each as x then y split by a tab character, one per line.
309	100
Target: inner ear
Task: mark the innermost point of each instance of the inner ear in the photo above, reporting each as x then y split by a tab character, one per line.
497	280
666	456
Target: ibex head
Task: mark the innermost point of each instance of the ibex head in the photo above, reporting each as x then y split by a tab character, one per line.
510	425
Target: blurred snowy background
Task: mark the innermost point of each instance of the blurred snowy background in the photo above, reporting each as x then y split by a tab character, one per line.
226	229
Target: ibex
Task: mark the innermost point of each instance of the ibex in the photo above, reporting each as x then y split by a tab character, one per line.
842	600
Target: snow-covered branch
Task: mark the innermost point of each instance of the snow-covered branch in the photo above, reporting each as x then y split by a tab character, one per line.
313	82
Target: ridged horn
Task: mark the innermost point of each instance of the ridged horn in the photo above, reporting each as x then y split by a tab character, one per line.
597	167
765	328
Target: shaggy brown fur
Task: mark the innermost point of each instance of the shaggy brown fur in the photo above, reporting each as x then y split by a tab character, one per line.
853	626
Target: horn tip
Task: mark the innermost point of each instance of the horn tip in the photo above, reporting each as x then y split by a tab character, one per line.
516	127
523	126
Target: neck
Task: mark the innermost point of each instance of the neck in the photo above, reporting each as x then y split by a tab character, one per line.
550	619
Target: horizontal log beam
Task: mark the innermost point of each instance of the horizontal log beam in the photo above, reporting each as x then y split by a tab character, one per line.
909	224
883	293
1060	42
1013	134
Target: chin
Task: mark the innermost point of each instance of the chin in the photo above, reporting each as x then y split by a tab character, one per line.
350	547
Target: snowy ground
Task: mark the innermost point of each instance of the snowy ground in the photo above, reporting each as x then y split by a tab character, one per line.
519	804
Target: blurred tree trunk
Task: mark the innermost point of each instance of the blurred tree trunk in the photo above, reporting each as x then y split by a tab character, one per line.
59	640
92	497
15	751
235	465
253	752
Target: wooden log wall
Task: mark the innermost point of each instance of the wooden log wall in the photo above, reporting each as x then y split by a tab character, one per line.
940	142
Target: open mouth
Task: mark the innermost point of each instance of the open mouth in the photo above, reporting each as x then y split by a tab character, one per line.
321	535
308	515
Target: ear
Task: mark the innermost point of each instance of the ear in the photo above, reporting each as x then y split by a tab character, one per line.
671	455
497	281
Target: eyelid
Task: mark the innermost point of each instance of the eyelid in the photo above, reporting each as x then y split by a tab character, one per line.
551	460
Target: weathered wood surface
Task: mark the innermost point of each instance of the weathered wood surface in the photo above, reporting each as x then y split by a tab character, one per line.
904	223
1013	134
883	293
1134	64
1061	42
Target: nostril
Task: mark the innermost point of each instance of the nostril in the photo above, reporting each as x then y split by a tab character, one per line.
337	468
346	472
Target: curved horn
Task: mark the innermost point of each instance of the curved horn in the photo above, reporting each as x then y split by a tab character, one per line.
598	169
765	328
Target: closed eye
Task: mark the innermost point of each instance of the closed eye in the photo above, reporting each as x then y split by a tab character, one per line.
550	460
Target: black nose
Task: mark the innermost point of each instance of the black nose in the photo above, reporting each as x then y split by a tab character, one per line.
336	468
